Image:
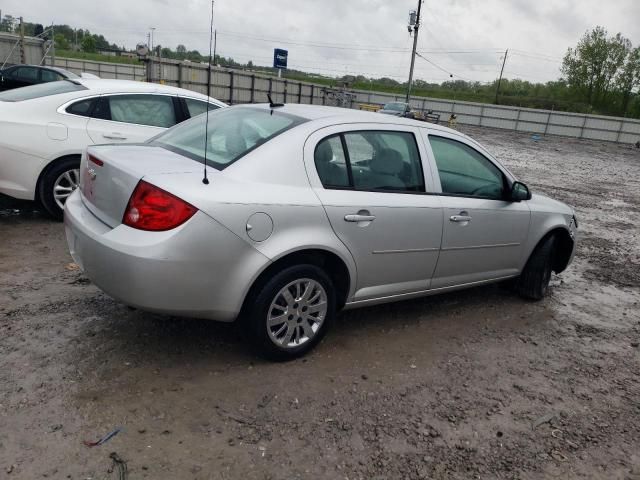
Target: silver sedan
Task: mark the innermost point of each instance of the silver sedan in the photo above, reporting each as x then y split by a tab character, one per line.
279	216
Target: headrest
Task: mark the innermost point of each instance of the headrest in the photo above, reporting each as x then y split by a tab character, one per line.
324	152
387	161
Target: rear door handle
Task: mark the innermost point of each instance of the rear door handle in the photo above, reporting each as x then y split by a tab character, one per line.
359	218
114	136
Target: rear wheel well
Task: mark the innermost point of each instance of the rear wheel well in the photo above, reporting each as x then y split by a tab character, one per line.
48	167
331	263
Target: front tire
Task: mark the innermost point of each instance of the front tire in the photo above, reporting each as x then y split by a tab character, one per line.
533	283
292	311
59	181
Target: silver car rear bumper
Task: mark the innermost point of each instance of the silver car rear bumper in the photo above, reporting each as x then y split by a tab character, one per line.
199	269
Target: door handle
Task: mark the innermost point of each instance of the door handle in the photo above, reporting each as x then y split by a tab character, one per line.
114	136
460	218
359	218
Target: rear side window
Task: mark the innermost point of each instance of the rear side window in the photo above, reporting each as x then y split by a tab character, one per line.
83	107
331	163
373	161
151	110
196	107
41	90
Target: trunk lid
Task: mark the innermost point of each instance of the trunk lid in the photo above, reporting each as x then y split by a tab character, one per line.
110	173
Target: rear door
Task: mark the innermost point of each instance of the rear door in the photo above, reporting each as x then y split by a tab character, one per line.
483	233
131	118
376	195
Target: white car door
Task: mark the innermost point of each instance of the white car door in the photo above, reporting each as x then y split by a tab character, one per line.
131	118
371	182
484	233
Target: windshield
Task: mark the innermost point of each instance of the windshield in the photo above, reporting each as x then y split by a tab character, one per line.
233	132
395	106
40	90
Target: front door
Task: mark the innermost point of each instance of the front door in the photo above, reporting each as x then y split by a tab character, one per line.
483	233
374	191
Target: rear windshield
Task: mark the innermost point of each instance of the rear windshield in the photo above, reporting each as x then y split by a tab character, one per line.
233	132
40	90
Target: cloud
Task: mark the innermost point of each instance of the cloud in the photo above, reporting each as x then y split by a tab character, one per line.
366	37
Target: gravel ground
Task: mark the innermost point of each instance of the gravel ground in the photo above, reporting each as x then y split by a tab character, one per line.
474	384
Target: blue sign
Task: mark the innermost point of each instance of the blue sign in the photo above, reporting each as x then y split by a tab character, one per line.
280	58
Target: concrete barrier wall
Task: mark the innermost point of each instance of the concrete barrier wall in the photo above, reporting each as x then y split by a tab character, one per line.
10	49
237	86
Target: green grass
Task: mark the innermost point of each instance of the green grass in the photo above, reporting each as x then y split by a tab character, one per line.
96	57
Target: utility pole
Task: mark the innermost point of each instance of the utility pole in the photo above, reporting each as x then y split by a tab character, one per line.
151	39
501	72
215	45
23	58
413	53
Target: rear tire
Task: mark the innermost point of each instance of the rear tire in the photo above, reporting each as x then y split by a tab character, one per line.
291	312
533	283
57	183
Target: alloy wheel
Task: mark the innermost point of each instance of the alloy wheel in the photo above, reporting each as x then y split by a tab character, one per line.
297	313
64	186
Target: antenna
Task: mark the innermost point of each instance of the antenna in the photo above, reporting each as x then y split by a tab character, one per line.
205	179
273	105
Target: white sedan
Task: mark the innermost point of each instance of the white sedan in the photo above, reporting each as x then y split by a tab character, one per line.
44	129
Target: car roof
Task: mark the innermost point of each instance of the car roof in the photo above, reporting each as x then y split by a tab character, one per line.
102	85
336	115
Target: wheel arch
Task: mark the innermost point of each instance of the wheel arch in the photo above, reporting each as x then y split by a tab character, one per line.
563	248
334	265
49	166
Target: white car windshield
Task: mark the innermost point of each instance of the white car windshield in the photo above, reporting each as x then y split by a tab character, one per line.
232	133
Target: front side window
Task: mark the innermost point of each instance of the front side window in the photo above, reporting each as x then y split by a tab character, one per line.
374	161
151	110
232	133
465	171
196	107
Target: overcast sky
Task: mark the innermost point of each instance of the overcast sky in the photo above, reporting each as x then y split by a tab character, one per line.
462	37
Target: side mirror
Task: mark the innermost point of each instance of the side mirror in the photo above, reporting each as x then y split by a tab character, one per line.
519	192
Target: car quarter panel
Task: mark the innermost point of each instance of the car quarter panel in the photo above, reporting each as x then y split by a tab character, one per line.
30	138
198	269
547	215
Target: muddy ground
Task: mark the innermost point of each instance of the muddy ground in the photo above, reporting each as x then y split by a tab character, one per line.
475	384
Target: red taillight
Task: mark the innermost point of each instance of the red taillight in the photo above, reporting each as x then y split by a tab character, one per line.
151	208
95	160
